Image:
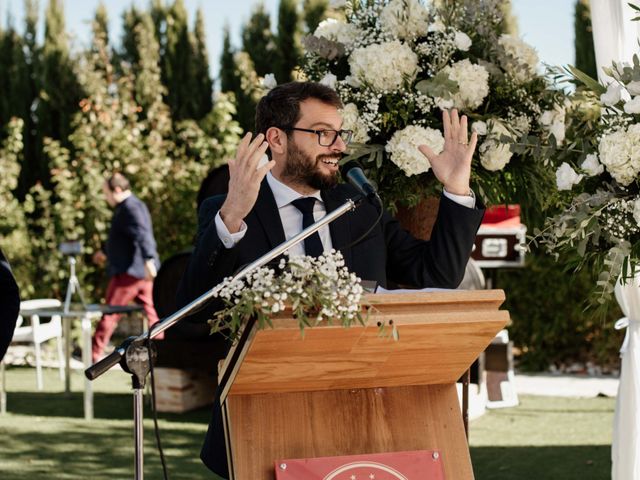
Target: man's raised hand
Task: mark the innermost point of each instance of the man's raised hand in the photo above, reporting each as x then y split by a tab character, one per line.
245	176
452	167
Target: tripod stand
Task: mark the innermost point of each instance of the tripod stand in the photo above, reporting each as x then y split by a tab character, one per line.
73	285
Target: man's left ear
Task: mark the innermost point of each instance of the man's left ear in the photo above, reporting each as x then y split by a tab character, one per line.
277	140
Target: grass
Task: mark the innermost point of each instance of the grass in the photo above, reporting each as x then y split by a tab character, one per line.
43	435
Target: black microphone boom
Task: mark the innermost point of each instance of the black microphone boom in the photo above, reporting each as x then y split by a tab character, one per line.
352	171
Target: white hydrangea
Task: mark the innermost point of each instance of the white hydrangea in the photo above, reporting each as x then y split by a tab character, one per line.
405	19
591	166
479	127
520	60
384	66
403	148
269	81
473	81
351	120
553	121
566	177
462	41
337	31
619	152
494	154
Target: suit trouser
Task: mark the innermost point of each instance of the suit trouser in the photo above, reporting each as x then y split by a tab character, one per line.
122	290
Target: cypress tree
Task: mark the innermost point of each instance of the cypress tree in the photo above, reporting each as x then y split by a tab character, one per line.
314	11
131	18
287	44
258	41
176	62
584	49
202	90
229	82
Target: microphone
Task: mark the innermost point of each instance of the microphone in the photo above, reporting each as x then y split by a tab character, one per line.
352	171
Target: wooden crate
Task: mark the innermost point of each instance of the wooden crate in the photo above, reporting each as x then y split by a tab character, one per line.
180	390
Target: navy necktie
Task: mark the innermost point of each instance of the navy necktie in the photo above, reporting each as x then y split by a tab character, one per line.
312	244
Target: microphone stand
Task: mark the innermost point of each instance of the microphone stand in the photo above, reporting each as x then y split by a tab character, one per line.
135	354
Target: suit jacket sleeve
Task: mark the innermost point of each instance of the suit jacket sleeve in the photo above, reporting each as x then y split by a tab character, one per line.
9	305
138	226
441	261
210	263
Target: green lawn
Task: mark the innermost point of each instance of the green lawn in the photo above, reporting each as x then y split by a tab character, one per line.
43	436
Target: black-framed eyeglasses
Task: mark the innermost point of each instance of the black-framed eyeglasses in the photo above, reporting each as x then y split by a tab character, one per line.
326	138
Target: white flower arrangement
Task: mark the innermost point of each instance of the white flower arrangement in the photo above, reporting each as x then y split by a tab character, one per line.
406	60
315	289
352	121
619	152
495	154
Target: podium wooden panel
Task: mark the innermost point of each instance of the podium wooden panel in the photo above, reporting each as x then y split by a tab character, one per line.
350	391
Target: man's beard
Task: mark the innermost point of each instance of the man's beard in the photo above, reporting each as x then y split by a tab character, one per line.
302	169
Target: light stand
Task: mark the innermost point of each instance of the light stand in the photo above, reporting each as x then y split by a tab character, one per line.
133	354
73	285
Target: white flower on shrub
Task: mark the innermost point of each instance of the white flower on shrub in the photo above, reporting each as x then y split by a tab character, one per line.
520	60
329	80
612	95
619	152
403	148
269	81
633	105
351	120
337	31
462	41
473	81
384	66
553	121
591	166
405	19
566	177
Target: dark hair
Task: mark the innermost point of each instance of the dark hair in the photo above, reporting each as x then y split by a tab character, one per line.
281	106
118	180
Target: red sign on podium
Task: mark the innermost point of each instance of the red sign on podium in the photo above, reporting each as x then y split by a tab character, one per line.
417	465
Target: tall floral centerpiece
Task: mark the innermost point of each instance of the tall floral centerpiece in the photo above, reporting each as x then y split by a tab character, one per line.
599	226
397	63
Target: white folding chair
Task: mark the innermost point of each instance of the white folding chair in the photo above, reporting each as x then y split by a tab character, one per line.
38	333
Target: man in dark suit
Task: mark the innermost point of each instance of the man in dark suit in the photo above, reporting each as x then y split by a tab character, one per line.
300	125
9	305
132	259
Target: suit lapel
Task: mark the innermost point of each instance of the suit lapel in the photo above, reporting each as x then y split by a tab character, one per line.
267	214
340	227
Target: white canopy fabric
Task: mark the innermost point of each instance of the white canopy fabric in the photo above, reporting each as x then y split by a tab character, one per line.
615	36
625	450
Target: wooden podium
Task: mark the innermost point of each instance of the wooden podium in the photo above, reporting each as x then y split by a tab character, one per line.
351	391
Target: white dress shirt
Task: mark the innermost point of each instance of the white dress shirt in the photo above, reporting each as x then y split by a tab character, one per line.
291	217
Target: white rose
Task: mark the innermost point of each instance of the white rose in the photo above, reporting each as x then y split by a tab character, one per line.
636	210
553	121
633	105
479	127
592	166
269	81
633	87
403	148
612	95
329	80
462	41
334	30
566	177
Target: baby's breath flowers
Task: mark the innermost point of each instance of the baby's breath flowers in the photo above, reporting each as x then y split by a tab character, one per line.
316	289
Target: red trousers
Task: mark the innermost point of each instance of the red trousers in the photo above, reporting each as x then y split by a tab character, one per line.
122	290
